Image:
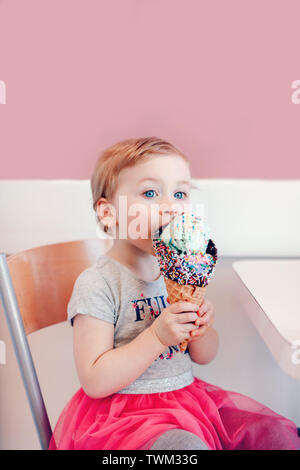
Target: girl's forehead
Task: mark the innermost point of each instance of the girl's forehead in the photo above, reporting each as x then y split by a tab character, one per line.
165	167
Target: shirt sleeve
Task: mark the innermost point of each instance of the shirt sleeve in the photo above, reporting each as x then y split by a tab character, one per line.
92	295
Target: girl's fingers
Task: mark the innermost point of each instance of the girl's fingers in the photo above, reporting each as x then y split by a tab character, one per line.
204	319
188	328
199	332
202	310
187	317
205	306
202	330
182	306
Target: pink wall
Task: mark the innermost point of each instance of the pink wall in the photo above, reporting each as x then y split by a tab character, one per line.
214	77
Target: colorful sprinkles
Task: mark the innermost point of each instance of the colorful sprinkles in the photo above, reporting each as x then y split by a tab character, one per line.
189	267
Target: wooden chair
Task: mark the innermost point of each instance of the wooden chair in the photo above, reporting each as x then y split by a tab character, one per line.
35	287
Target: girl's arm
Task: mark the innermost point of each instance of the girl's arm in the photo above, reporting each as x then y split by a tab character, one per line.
103	369
203	349
204	342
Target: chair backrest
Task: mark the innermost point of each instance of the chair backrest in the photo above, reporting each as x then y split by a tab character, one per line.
43	279
35	287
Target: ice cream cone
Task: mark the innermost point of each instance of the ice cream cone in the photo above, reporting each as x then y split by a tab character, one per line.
187	258
188	293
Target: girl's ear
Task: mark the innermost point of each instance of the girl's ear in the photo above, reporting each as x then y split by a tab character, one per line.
106	212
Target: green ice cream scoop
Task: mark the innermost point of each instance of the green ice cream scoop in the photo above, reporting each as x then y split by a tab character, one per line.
186	233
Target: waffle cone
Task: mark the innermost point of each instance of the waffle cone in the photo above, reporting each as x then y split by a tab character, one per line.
188	293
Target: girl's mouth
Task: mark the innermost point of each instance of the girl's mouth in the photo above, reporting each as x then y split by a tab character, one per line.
158	231
161	228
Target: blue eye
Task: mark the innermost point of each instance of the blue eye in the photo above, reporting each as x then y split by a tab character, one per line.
149	194
181	193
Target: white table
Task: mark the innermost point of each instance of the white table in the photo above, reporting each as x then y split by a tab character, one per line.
270	293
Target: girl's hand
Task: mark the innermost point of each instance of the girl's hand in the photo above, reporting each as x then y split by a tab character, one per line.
175	323
204	321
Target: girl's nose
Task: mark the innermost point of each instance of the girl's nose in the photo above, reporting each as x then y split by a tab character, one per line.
168	210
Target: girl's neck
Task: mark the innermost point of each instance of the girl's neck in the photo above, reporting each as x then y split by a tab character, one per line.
143	264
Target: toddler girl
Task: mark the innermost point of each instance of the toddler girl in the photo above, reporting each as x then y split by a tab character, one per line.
138	390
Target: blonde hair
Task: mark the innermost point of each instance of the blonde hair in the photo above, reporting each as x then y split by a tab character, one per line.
121	155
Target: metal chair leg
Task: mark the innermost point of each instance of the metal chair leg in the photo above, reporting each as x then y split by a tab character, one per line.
23	354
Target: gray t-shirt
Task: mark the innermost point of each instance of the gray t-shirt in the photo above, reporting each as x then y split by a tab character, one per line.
111	292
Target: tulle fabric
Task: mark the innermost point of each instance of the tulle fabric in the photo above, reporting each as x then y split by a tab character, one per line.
224	420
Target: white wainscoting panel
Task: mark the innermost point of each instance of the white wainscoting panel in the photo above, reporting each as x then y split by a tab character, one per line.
246	217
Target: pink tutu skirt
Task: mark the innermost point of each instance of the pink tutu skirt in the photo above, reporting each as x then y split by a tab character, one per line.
222	419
